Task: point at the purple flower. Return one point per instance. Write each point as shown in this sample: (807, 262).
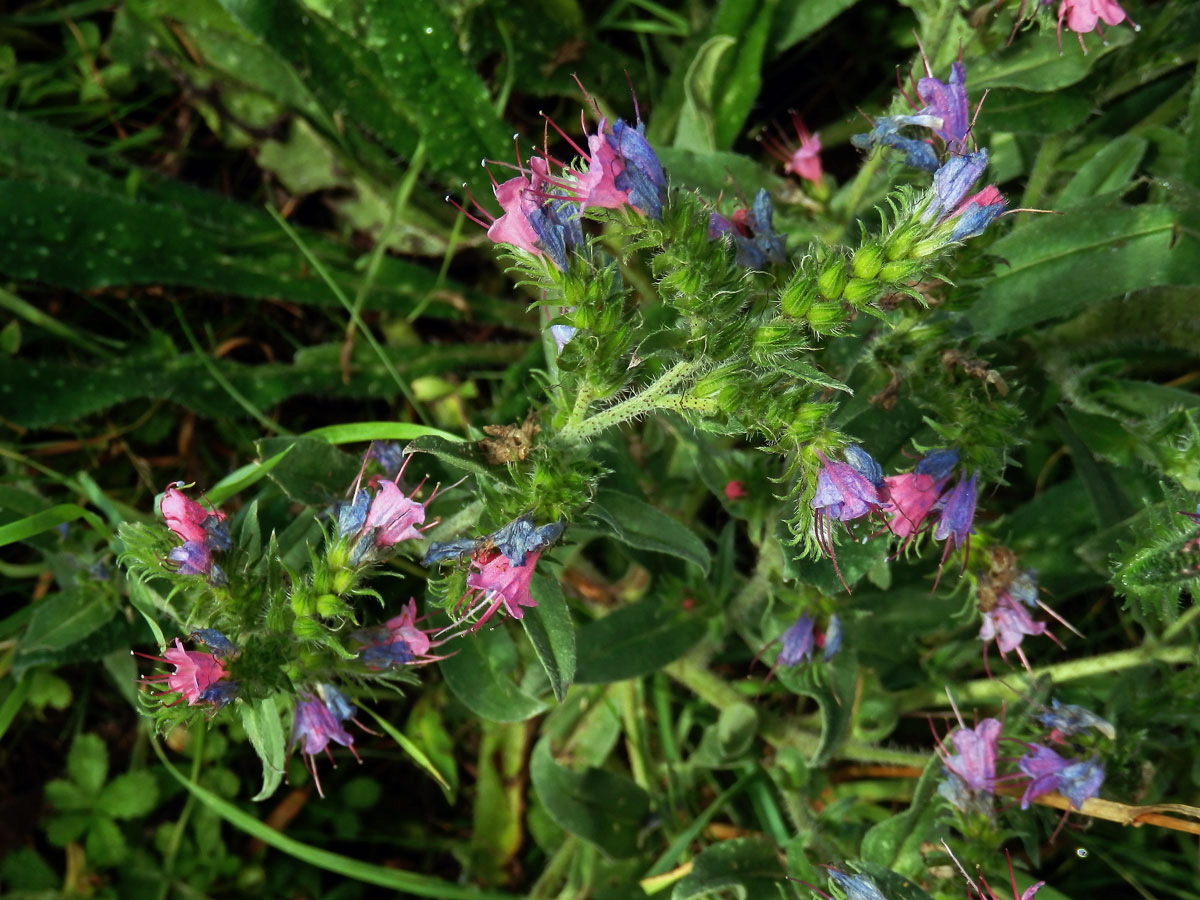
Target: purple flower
(394, 516)
(1008, 623)
(975, 761)
(952, 182)
(886, 131)
(353, 515)
(1043, 766)
(389, 455)
(977, 213)
(864, 464)
(1081, 781)
(958, 513)
(562, 335)
(1067, 720)
(193, 558)
(641, 175)
(398, 642)
(833, 638)
(315, 724)
(856, 887)
(798, 641)
(948, 102)
(752, 232)
(843, 492)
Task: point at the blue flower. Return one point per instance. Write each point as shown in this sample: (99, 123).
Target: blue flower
(856, 887)
(1081, 781)
(219, 645)
(833, 638)
(1067, 720)
(753, 233)
(798, 643)
(886, 131)
(937, 464)
(958, 514)
(642, 175)
(952, 182)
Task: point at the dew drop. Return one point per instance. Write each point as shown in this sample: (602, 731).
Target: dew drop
(1081, 852)
(428, 29)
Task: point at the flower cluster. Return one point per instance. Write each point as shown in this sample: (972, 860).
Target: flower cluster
(971, 777)
(910, 503)
(398, 642)
(203, 532)
(375, 521)
(1006, 595)
(753, 232)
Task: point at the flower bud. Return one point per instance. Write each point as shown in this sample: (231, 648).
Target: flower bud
(825, 318)
(330, 606)
(720, 385)
(900, 241)
(832, 280)
(860, 291)
(798, 294)
(774, 339)
(343, 581)
(867, 260)
(278, 618)
(809, 420)
(303, 602)
(321, 579)
(900, 271)
(307, 629)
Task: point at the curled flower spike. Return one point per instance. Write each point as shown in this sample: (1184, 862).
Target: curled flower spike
(316, 722)
(202, 531)
(802, 159)
(398, 642)
(195, 678)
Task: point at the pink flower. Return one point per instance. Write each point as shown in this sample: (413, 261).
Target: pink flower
(596, 184)
(395, 515)
(1083, 16)
(975, 761)
(734, 490)
(803, 159)
(185, 517)
(499, 582)
(912, 497)
(195, 678)
(317, 722)
(398, 642)
(513, 226)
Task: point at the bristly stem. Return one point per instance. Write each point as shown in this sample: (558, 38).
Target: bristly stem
(654, 397)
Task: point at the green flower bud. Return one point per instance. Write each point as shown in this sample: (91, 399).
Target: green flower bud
(798, 294)
(826, 318)
(338, 554)
(900, 241)
(307, 629)
(832, 280)
(343, 581)
(330, 606)
(321, 579)
(722, 385)
(860, 291)
(278, 618)
(809, 420)
(867, 260)
(900, 271)
(303, 602)
(774, 339)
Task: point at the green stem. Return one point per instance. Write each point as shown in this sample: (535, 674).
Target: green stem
(991, 690)
(175, 841)
(646, 401)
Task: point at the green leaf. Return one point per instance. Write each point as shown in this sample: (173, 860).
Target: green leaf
(105, 845)
(314, 472)
(360, 432)
(456, 453)
(264, 727)
(748, 866)
(63, 513)
(895, 843)
(16, 694)
(549, 628)
(833, 687)
(1099, 249)
(750, 24)
(1037, 65)
(635, 640)
(697, 128)
(796, 21)
(478, 674)
(62, 830)
(711, 171)
(1024, 112)
(58, 622)
(129, 796)
(601, 807)
(427, 729)
(415, 753)
(1109, 170)
(87, 763)
(66, 796)
(638, 524)
(390, 878)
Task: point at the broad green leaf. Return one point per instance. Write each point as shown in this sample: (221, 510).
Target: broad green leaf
(359, 432)
(602, 807)
(426, 727)
(59, 622)
(715, 172)
(697, 126)
(748, 867)
(1037, 65)
(245, 476)
(1109, 170)
(549, 628)
(130, 795)
(314, 472)
(895, 842)
(635, 640)
(750, 23)
(478, 674)
(795, 21)
(264, 727)
(1024, 112)
(496, 816)
(638, 524)
(1055, 266)
(87, 763)
(386, 877)
(833, 687)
